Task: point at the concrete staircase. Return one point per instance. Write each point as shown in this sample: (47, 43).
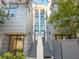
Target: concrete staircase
(47, 51)
(33, 50)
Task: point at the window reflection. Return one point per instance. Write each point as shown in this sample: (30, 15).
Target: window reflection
(36, 20)
(13, 9)
(36, 27)
(16, 43)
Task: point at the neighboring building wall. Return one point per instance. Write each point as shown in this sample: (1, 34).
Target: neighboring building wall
(21, 22)
(4, 41)
(66, 49)
(49, 27)
(50, 31)
(17, 23)
(29, 28)
(70, 49)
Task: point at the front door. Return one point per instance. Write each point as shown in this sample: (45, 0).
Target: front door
(39, 26)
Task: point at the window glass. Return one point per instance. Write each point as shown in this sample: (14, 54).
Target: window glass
(42, 12)
(12, 12)
(42, 33)
(36, 16)
(16, 43)
(42, 16)
(20, 37)
(37, 20)
(36, 33)
(36, 12)
(42, 27)
(42, 20)
(36, 27)
(13, 9)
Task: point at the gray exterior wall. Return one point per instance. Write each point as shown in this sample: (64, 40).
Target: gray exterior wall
(20, 23)
(70, 49)
(4, 41)
(16, 23)
(66, 49)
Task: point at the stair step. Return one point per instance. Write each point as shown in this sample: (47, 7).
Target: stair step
(33, 50)
(47, 50)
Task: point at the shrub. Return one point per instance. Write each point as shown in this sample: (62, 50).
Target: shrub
(1, 57)
(20, 55)
(8, 55)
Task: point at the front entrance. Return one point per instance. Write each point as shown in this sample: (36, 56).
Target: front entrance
(16, 43)
(39, 24)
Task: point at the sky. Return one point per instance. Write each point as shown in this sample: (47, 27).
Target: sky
(45, 2)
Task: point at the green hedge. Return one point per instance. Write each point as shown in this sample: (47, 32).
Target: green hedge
(8, 55)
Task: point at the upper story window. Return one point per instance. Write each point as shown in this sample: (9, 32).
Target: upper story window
(36, 20)
(42, 16)
(36, 27)
(36, 16)
(13, 9)
(42, 12)
(54, 6)
(36, 12)
(42, 27)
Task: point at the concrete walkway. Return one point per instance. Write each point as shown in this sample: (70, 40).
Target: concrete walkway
(40, 50)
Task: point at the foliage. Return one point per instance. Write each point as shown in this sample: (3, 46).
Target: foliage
(9, 55)
(1, 57)
(67, 16)
(3, 14)
(20, 56)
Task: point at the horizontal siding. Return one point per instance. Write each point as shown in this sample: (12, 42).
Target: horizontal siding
(17, 23)
(4, 41)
